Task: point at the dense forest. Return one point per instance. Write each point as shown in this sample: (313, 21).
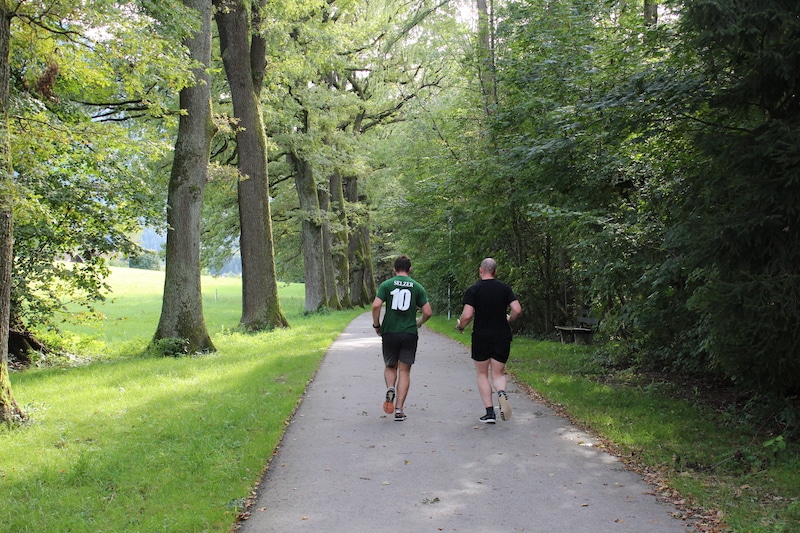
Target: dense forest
(636, 159)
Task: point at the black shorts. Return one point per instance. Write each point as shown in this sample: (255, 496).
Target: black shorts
(399, 347)
(483, 350)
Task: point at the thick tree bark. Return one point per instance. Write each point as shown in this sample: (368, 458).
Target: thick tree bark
(9, 410)
(244, 69)
(182, 303)
(339, 240)
(362, 275)
(311, 235)
(333, 301)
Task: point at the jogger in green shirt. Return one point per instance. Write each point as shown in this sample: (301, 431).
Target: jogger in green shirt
(398, 331)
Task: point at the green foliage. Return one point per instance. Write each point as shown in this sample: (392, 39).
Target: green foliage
(739, 230)
(81, 77)
(648, 173)
(170, 347)
(145, 259)
(339, 75)
(538, 182)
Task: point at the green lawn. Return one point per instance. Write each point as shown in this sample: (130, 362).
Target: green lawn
(130, 315)
(135, 443)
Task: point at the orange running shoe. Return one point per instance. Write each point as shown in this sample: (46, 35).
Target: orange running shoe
(388, 405)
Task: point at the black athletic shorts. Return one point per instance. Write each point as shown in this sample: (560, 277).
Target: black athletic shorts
(483, 350)
(399, 347)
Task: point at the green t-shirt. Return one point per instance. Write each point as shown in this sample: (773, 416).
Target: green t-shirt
(403, 296)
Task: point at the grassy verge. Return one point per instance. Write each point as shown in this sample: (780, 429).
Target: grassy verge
(699, 456)
(131, 443)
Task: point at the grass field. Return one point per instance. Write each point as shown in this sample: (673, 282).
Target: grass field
(130, 315)
(119, 441)
(131, 443)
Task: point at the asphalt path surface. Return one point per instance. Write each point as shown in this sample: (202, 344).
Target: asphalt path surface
(345, 466)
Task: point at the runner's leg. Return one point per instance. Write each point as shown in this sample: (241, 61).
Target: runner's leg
(390, 376)
(403, 384)
(484, 387)
(498, 375)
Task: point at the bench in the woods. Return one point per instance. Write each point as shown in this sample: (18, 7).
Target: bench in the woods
(583, 332)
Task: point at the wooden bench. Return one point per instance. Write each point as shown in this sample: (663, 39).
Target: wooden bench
(582, 333)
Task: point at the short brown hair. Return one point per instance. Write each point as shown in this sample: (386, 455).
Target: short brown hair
(402, 264)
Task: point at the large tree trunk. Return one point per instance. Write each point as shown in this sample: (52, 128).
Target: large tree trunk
(9, 410)
(311, 234)
(362, 275)
(339, 240)
(182, 303)
(333, 301)
(244, 65)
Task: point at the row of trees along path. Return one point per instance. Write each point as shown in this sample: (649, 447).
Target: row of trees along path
(149, 53)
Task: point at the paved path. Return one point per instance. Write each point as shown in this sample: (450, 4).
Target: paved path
(344, 466)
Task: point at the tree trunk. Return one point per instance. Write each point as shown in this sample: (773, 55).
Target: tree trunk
(260, 304)
(333, 301)
(21, 342)
(339, 240)
(362, 275)
(311, 234)
(9, 410)
(485, 53)
(182, 303)
(650, 13)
